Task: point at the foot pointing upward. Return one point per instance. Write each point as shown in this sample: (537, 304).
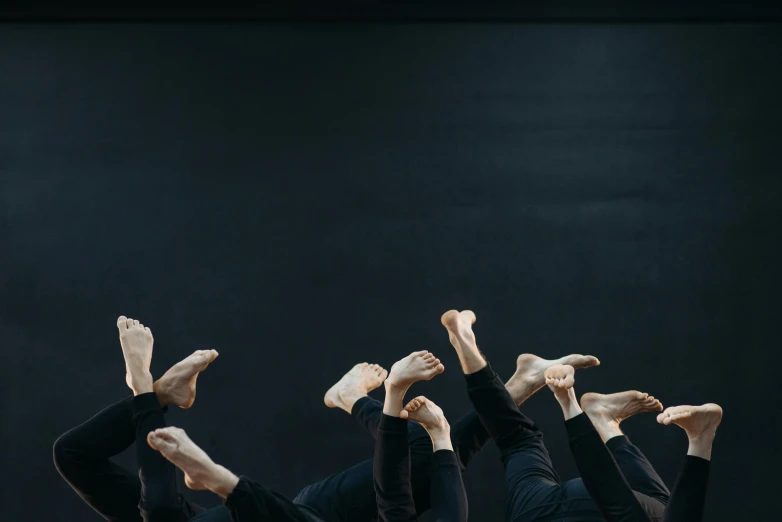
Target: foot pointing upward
(357, 383)
(178, 384)
(136, 341)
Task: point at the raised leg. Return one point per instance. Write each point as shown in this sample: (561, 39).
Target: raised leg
(601, 475)
(689, 493)
(607, 412)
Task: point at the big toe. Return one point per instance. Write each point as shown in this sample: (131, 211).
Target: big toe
(122, 322)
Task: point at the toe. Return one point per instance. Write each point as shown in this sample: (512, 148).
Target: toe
(129, 322)
(122, 322)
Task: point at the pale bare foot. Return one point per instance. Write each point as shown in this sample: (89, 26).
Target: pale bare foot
(431, 417)
(418, 366)
(700, 423)
(530, 372)
(136, 341)
(200, 471)
(462, 338)
(178, 384)
(357, 383)
(607, 411)
(697, 421)
(426, 413)
(616, 407)
(560, 379)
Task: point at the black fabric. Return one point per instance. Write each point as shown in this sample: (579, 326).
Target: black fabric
(349, 496)
(82, 456)
(392, 470)
(534, 490)
(608, 484)
(252, 502)
(689, 492)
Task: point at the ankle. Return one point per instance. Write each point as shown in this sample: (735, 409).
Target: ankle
(349, 398)
(222, 481)
(142, 383)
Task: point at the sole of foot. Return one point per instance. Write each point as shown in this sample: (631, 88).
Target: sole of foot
(616, 407)
(418, 366)
(360, 380)
(174, 444)
(178, 384)
(695, 420)
(530, 372)
(426, 413)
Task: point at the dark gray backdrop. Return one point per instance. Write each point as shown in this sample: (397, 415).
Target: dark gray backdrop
(305, 197)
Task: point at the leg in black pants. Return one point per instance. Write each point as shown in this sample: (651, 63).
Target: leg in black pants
(349, 496)
(392, 478)
(602, 476)
(82, 457)
(246, 500)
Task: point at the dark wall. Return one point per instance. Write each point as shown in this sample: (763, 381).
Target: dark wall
(306, 197)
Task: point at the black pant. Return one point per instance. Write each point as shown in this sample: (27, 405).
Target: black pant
(349, 496)
(82, 456)
(392, 478)
(534, 490)
(609, 487)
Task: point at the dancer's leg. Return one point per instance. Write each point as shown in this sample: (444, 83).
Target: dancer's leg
(82, 457)
(599, 471)
(354, 388)
(448, 498)
(392, 454)
(606, 412)
(247, 500)
(532, 484)
(689, 492)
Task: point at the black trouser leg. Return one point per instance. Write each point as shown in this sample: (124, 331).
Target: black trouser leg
(392, 472)
(637, 469)
(601, 474)
(534, 488)
(449, 500)
(689, 493)
(82, 457)
(252, 502)
(160, 497)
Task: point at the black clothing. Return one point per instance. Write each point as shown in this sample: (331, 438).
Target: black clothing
(82, 456)
(392, 478)
(612, 492)
(534, 490)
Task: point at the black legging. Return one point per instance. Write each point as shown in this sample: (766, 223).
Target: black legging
(607, 485)
(392, 478)
(82, 456)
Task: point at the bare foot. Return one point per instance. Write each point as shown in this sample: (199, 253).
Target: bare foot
(200, 471)
(418, 366)
(136, 342)
(560, 379)
(530, 372)
(426, 413)
(357, 383)
(697, 421)
(616, 407)
(431, 417)
(178, 384)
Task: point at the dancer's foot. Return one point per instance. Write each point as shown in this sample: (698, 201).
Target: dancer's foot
(530, 369)
(431, 417)
(418, 366)
(700, 423)
(459, 326)
(560, 379)
(178, 384)
(136, 342)
(200, 471)
(607, 411)
(357, 383)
